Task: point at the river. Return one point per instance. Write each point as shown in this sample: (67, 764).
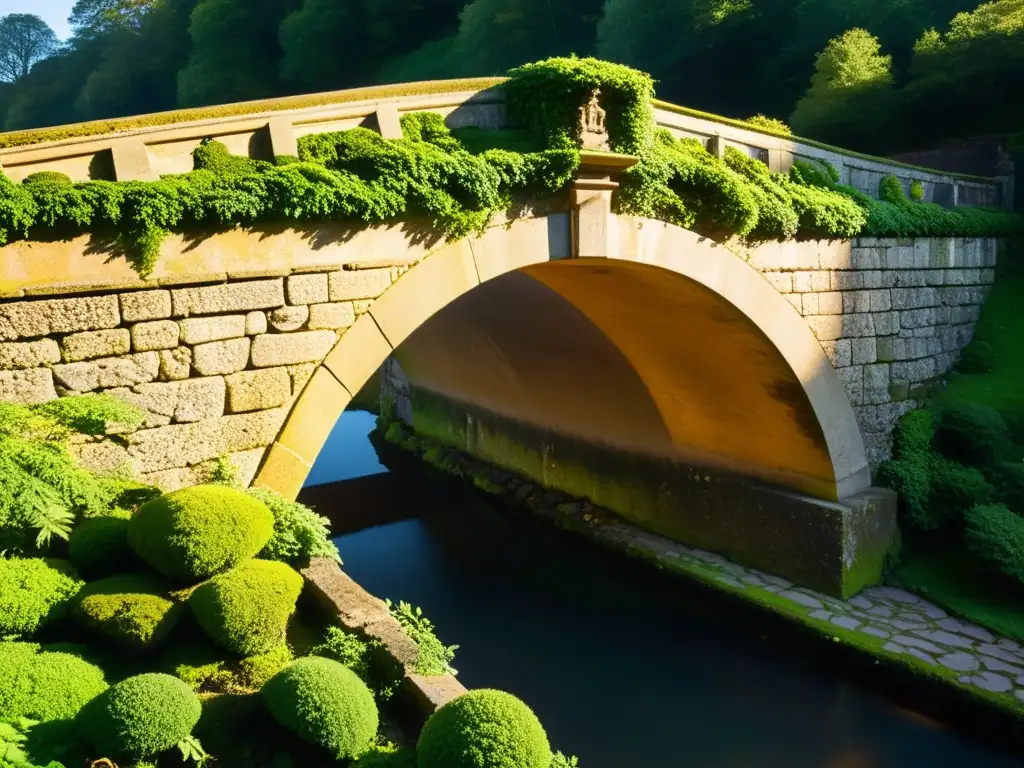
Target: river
(623, 669)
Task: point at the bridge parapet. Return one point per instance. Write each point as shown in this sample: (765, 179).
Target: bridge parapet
(150, 146)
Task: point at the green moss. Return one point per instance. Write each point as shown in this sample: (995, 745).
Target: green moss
(325, 703)
(45, 686)
(132, 610)
(142, 716)
(973, 434)
(300, 534)
(246, 610)
(484, 729)
(34, 592)
(197, 532)
(99, 547)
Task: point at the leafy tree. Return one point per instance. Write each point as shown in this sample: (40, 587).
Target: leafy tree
(24, 40)
(973, 65)
(235, 51)
(93, 18)
(46, 96)
(139, 66)
(850, 92)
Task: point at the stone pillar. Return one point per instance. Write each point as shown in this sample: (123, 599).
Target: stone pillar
(591, 200)
(394, 388)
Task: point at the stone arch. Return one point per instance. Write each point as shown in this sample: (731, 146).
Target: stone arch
(642, 246)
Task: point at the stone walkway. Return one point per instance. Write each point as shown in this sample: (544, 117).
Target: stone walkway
(910, 626)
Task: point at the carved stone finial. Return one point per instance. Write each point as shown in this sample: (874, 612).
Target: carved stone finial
(593, 130)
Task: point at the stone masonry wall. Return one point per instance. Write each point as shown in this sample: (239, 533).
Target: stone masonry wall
(216, 367)
(892, 315)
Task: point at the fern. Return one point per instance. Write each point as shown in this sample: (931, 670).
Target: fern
(435, 658)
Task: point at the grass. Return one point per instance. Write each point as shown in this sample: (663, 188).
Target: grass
(959, 582)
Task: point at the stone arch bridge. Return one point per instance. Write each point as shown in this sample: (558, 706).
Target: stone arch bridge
(735, 400)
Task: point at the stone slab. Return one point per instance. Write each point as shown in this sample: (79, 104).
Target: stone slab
(228, 297)
(89, 345)
(28, 354)
(29, 387)
(107, 373)
(291, 348)
(257, 390)
(221, 357)
(28, 319)
(155, 335)
(145, 305)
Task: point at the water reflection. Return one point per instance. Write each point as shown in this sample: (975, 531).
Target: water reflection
(622, 669)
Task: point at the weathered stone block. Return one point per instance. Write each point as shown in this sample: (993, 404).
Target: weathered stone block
(300, 374)
(880, 301)
(890, 278)
(331, 316)
(145, 305)
(202, 330)
(93, 344)
(781, 281)
(27, 319)
(914, 370)
(899, 390)
(255, 323)
(858, 325)
(291, 348)
(876, 376)
(838, 351)
(886, 323)
(852, 379)
(288, 318)
(307, 289)
(27, 387)
(917, 318)
(863, 350)
(180, 445)
(108, 372)
(104, 457)
(885, 349)
(28, 354)
(219, 357)
(358, 284)
(857, 301)
(362, 306)
(181, 401)
(258, 390)
(914, 298)
(915, 278)
(156, 334)
(175, 364)
(796, 299)
(867, 258)
(809, 303)
(874, 396)
(846, 280)
(826, 327)
(228, 297)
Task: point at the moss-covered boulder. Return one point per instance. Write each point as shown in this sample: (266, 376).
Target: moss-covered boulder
(45, 686)
(194, 533)
(34, 592)
(246, 610)
(325, 703)
(484, 729)
(98, 547)
(141, 716)
(131, 609)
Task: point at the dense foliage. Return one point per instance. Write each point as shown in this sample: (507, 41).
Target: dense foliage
(325, 703)
(435, 658)
(142, 716)
(194, 533)
(905, 62)
(99, 546)
(246, 610)
(45, 685)
(42, 489)
(132, 610)
(34, 592)
(484, 729)
(300, 534)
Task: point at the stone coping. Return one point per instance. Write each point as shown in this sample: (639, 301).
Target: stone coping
(363, 614)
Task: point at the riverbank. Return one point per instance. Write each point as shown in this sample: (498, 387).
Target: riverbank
(947, 669)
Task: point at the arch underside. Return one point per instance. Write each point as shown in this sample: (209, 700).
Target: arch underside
(676, 350)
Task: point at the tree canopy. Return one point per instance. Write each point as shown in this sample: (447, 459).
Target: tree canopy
(875, 75)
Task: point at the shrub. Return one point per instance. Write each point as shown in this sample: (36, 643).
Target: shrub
(996, 535)
(300, 534)
(977, 357)
(324, 703)
(435, 658)
(955, 489)
(196, 532)
(890, 190)
(914, 434)
(131, 609)
(34, 592)
(911, 479)
(770, 124)
(369, 659)
(916, 191)
(142, 716)
(99, 547)
(563, 761)
(253, 672)
(47, 685)
(484, 729)
(973, 434)
(389, 756)
(246, 610)
(1008, 479)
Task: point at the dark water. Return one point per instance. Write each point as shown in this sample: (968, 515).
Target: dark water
(622, 669)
